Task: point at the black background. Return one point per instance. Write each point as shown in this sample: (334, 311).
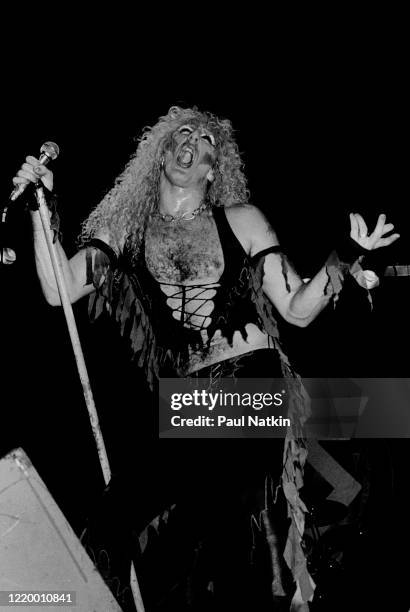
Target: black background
(322, 134)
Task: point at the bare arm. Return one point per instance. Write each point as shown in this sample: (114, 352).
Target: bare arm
(298, 302)
(74, 270)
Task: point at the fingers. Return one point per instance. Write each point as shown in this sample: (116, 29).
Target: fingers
(383, 242)
(388, 227)
(26, 173)
(33, 164)
(32, 171)
(40, 170)
(362, 225)
(354, 226)
(32, 160)
(25, 176)
(378, 230)
(382, 228)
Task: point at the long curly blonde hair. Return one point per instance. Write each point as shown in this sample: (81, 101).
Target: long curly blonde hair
(126, 208)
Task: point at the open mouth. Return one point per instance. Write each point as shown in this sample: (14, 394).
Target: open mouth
(185, 157)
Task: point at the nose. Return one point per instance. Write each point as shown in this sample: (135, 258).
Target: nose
(194, 137)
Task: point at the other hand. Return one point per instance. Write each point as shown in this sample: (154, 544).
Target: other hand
(375, 240)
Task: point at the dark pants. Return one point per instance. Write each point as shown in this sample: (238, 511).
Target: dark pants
(205, 555)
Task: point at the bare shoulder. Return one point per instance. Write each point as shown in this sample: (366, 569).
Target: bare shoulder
(105, 236)
(251, 227)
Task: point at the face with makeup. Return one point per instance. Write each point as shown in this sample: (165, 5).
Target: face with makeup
(189, 156)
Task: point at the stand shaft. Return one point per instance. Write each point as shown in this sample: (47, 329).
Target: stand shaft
(81, 367)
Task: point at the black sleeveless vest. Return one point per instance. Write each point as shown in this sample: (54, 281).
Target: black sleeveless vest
(158, 341)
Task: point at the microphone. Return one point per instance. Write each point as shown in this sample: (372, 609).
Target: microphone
(48, 152)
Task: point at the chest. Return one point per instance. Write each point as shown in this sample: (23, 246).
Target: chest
(184, 252)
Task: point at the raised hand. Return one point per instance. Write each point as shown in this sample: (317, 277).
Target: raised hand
(375, 240)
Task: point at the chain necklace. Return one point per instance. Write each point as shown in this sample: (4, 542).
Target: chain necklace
(187, 216)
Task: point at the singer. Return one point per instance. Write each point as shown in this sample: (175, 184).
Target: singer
(196, 279)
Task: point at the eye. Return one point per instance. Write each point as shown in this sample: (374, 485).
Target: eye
(209, 138)
(186, 130)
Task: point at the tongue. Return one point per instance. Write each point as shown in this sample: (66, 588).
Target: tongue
(187, 157)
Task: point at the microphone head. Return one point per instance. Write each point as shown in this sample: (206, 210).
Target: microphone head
(51, 149)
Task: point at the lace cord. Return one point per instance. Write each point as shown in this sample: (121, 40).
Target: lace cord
(186, 318)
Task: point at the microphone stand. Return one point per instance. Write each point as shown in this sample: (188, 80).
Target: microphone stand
(7, 254)
(81, 366)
